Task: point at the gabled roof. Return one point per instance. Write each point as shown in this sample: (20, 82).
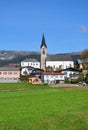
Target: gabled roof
(59, 57)
(70, 69)
(53, 73)
(38, 69)
(43, 42)
(9, 69)
(28, 67)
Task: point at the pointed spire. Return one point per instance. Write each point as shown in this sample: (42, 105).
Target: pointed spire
(43, 42)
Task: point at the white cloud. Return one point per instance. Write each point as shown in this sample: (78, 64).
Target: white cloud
(82, 29)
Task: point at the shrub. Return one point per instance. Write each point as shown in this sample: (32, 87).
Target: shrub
(67, 81)
(86, 79)
(24, 78)
(74, 81)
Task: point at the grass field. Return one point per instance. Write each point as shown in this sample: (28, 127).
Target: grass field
(26, 107)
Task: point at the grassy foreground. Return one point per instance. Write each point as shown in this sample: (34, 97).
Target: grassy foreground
(39, 108)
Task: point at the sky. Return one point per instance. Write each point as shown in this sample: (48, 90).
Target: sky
(63, 22)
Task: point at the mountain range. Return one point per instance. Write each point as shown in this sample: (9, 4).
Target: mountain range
(7, 56)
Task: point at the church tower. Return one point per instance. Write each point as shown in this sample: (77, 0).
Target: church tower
(43, 48)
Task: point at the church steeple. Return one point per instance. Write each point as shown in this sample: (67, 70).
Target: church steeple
(43, 43)
(43, 48)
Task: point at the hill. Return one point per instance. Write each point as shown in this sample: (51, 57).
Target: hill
(7, 57)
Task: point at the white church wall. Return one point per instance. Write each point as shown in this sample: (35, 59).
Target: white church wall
(64, 64)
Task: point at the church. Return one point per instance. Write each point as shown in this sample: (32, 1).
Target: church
(55, 61)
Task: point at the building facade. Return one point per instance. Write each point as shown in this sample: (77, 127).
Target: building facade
(9, 74)
(71, 73)
(52, 77)
(59, 64)
(30, 62)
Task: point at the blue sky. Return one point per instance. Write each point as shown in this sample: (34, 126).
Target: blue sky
(63, 22)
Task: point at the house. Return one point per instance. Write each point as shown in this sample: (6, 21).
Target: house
(30, 62)
(26, 70)
(71, 72)
(9, 74)
(29, 70)
(80, 63)
(52, 77)
(83, 63)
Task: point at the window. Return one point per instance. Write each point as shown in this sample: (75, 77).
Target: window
(28, 64)
(65, 73)
(15, 73)
(1, 78)
(56, 76)
(51, 76)
(53, 66)
(10, 73)
(61, 76)
(22, 63)
(43, 51)
(15, 78)
(47, 76)
(4, 73)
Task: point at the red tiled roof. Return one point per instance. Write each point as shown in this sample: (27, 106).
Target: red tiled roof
(53, 73)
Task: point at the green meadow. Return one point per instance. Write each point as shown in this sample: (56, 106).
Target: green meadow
(40, 107)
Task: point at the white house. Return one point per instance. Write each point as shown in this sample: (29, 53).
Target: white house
(52, 77)
(28, 70)
(30, 62)
(71, 73)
